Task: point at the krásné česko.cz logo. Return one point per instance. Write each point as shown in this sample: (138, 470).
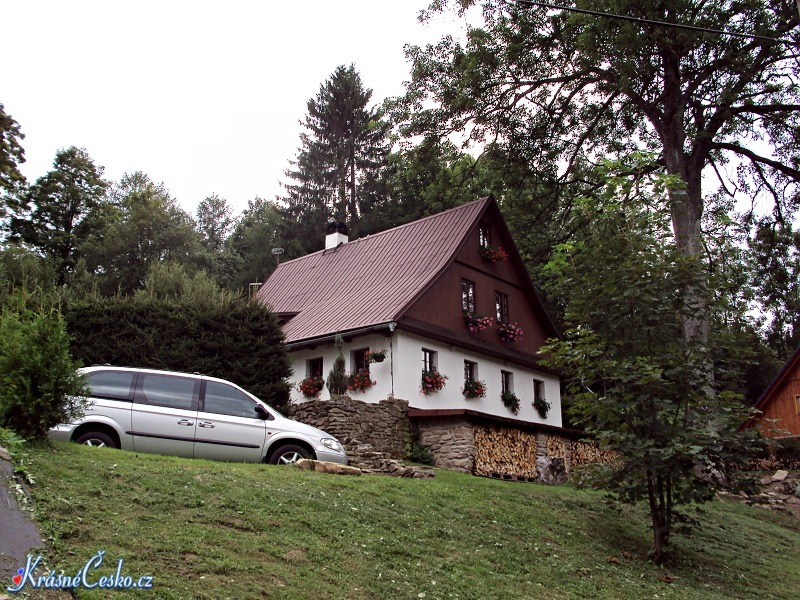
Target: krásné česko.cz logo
(87, 577)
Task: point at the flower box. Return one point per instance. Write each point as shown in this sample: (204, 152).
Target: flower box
(311, 386)
(475, 322)
(376, 356)
(360, 381)
(493, 254)
(432, 382)
(509, 332)
(474, 389)
(510, 401)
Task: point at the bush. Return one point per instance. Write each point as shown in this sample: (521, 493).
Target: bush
(337, 377)
(39, 386)
(219, 335)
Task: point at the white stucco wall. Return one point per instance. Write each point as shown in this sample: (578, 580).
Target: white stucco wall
(400, 374)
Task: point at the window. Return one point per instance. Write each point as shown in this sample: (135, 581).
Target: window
(501, 307)
(506, 382)
(485, 235)
(222, 399)
(470, 370)
(428, 360)
(797, 404)
(314, 367)
(169, 391)
(112, 385)
(538, 390)
(359, 360)
(467, 296)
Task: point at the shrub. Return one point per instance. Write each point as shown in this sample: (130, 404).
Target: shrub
(220, 336)
(337, 377)
(39, 385)
(419, 454)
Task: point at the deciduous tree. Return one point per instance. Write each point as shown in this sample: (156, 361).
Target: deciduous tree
(635, 382)
(561, 89)
(61, 209)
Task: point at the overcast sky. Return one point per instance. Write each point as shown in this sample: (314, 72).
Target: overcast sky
(204, 96)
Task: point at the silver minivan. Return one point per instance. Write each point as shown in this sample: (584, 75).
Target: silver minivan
(181, 414)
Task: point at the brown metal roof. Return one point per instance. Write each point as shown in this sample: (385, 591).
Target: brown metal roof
(368, 281)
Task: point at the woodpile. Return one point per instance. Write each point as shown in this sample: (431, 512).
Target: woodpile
(585, 453)
(557, 447)
(505, 452)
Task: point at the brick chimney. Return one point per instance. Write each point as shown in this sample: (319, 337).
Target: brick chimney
(335, 234)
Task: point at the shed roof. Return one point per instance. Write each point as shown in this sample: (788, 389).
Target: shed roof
(369, 281)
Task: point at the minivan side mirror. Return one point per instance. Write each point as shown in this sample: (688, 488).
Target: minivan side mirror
(263, 413)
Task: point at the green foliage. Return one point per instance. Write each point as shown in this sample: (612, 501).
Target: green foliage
(260, 229)
(39, 386)
(337, 377)
(344, 147)
(640, 386)
(61, 209)
(143, 225)
(542, 406)
(11, 156)
(510, 401)
(213, 333)
(419, 454)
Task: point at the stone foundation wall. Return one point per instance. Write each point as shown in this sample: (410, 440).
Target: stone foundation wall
(451, 442)
(384, 425)
(464, 443)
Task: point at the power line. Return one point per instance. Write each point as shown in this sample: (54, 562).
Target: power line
(597, 13)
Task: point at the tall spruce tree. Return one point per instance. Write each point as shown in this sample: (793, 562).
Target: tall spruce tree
(343, 147)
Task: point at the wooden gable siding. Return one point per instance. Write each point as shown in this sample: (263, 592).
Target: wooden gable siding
(441, 304)
(782, 406)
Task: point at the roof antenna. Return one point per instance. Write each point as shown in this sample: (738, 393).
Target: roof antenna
(276, 252)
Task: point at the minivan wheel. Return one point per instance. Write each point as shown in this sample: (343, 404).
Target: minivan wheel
(289, 454)
(96, 438)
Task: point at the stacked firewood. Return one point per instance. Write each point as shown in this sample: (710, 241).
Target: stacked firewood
(585, 453)
(504, 451)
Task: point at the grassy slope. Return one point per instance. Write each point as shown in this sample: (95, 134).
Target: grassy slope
(215, 530)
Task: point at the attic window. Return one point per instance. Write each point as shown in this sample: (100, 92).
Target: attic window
(485, 235)
(467, 296)
(501, 307)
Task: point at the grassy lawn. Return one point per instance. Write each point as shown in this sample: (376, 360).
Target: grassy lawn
(217, 530)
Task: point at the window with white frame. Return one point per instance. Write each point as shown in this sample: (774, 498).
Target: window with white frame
(470, 371)
(314, 367)
(538, 390)
(429, 360)
(506, 382)
(359, 360)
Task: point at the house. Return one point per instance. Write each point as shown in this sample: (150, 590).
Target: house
(780, 403)
(446, 294)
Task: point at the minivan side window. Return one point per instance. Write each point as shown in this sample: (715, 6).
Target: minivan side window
(111, 385)
(169, 391)
(224, 399)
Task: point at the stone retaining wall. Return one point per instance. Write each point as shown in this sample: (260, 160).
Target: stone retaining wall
(384, 425)
(464, 443)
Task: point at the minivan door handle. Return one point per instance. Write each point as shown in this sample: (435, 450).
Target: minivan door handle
(187, 422)
(208, 424)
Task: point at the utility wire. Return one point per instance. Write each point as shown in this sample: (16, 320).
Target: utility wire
(597, 13)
